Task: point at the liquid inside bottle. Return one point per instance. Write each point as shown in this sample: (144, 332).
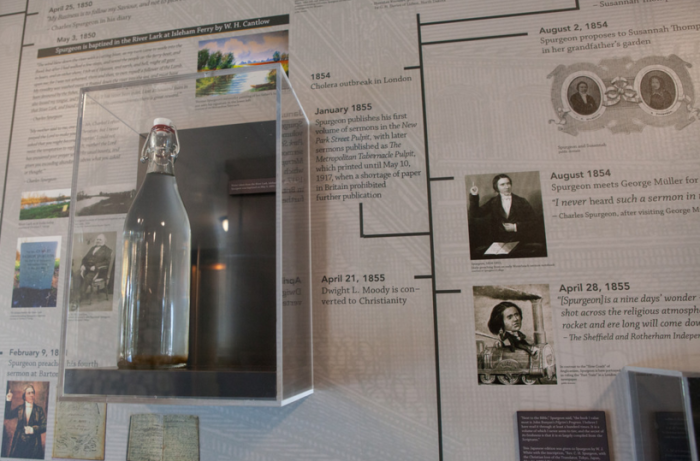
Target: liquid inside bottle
(155, 289)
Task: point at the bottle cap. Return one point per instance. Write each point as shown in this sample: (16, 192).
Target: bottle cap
(163, 121)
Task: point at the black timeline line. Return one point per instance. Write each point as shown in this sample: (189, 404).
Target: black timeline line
(374, 236)
(14, 14)
(14, 110)
(443, 178)
(429, 180)
(438, 387)
(502, 16)
(411, 67)
(439, 292)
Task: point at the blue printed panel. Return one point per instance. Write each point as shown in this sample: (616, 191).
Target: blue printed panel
(36, 264)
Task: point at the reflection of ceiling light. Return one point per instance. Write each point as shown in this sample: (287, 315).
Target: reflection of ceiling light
(224, 224)
(209, 267)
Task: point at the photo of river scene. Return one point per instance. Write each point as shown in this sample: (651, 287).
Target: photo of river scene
(104, 199)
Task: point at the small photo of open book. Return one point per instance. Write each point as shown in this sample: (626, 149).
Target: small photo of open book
(163, 438)
(500, 248)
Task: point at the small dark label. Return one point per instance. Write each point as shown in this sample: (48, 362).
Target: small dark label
(251, 186)
(557, 435)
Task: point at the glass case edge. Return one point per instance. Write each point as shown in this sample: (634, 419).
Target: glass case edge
(296, 397)
(689, 420)
(69, 246)
(294, 93)
(633, 414)
(279, 321)
(195, 401)
(310, 252)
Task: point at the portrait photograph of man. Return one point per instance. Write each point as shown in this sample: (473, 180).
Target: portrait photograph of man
(24, 434)
(503, 223)
(584, 96)
(92, 273)
(514, 339)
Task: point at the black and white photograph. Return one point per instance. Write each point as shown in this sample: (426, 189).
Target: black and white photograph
(622, 95)
(104, 199)
(92, 271)
(514, 341)
(505, 216)
(658, 90)
(584, 95)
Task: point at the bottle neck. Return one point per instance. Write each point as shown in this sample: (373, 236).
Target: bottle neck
(160, 167)
(160, 150)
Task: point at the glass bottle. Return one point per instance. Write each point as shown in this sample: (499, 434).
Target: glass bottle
(155, 310)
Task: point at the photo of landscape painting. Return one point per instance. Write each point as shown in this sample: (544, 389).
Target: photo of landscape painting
(241, 51)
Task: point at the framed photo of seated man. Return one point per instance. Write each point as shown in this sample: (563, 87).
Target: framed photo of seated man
(92, 271)
(505, 216)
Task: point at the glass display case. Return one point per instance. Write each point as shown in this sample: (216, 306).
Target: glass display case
(665, 413)
(243, 176)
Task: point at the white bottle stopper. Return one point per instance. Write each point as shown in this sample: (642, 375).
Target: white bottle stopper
(163, 121)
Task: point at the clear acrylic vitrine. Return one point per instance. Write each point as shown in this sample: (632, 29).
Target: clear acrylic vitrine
(243, 175)
(664, 410)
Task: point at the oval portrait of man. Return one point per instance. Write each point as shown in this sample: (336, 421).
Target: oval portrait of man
(584, 95)
(658, 90)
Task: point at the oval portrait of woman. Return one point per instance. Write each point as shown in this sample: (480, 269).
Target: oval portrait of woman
(658, 90)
